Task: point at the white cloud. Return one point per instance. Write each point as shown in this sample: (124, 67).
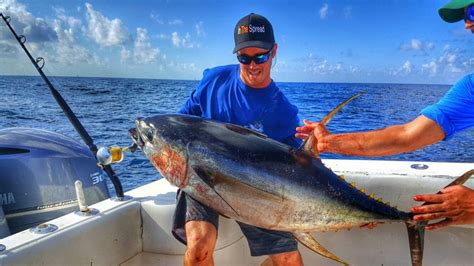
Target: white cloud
(200, 32)
(469, 64)
(450, 63)
(319, 66)
(155, 17)
(323, 11)
(405, 69)
(182, 41)
(67, 50)
(414, 44)
(279, 66)
(430, 68)
(429, 45)
(143, 52)
(417, 45)
(104, 31)
(73, 24)
(175, 39)
(34, 28)
(183, 67)
(448, 58)
(176, 22)
(56, 42)
(7, 48)
(124, 54)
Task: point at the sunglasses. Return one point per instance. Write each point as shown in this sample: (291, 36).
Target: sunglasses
(258, 59)
(469, 14)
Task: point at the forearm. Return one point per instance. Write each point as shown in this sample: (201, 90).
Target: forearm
(387, 141)
(381, 142)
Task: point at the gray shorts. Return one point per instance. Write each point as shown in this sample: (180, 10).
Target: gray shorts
(261, 241)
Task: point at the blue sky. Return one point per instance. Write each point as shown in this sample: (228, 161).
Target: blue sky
(392, 41)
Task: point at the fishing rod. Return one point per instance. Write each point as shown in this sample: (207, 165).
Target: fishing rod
(67, 110)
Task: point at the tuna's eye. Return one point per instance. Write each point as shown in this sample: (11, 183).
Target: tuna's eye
(149, 134)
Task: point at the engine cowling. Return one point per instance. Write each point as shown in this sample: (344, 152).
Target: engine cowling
(38, 169)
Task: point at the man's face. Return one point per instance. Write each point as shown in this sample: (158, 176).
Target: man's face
(469, 24)
(256, 75)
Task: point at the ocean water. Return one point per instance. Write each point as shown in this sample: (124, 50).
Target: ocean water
(107, 108)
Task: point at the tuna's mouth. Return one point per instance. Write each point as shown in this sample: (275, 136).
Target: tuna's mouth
(137, 141)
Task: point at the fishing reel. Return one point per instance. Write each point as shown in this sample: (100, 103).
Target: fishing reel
(109, 155)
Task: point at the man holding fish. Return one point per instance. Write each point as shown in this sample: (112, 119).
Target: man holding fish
(242, 94)
(453, 113)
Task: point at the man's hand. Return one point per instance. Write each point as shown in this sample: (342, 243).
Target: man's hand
(316, 128)
(455, 204)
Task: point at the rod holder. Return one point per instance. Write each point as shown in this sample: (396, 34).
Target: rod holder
(45, 228)
(84, 210)
(81, 199)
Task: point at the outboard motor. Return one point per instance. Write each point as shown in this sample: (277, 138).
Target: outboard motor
(4, 230)
(38, 169)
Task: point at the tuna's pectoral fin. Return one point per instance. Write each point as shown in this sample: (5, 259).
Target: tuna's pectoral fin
(201, 173)
(208, 180)
(308, 241)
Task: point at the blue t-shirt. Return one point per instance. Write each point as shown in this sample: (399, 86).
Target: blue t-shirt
(455, 111)
(221, 95)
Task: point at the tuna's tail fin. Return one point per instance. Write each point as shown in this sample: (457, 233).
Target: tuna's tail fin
(416, 236)
(416, 230)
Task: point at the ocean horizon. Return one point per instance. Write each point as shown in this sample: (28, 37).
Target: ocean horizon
(276, 80)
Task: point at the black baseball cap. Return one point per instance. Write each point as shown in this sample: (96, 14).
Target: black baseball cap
(253, 31)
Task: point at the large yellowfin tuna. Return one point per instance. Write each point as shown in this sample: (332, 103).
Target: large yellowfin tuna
(248, 177)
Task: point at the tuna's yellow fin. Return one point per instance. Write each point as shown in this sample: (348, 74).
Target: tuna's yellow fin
(308, 241)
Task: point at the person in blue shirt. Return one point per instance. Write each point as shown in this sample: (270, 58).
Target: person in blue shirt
(453, 113)
(242, 94)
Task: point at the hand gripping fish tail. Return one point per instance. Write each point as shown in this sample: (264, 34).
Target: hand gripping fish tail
(416, 230)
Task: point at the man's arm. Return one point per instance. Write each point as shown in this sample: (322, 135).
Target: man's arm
(191, 107)
(408, 137)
